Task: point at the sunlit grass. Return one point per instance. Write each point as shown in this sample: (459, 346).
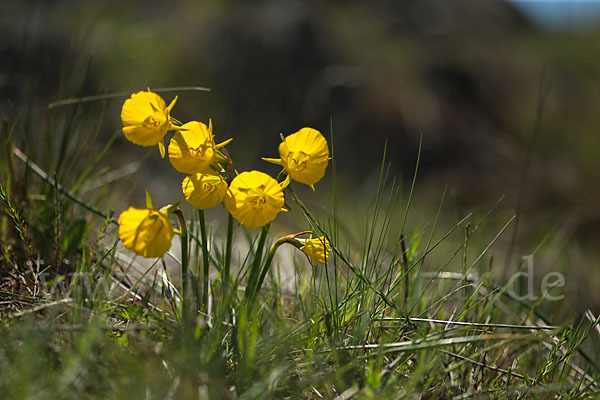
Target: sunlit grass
(403, 307)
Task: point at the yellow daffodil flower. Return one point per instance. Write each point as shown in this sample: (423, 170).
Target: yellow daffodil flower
(146, 119)
(145, 231)
(204, 190)
(317, 249)
(254, 199)
(304, 155)
(192, 149)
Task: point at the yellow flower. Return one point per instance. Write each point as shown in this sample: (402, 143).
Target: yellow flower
(204, 190)
(192, 148)
(317, 249)
(304, 155)
(254, 199)
(145, 118)
(145, 231)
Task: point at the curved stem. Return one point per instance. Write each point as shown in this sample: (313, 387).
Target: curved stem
(291, 239)
(282, 175)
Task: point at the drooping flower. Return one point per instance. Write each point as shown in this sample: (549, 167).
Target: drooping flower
(146, 119)
(317, 249)
(304, 155)
(254, 199)
(192, 149)
(145, 231)
(204, 190)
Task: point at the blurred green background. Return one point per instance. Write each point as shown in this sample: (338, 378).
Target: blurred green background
(462, 75)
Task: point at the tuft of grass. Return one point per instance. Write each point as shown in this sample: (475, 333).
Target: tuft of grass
(403, 308)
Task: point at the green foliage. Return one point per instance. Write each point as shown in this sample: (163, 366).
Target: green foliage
(403, 308)
(73, 238)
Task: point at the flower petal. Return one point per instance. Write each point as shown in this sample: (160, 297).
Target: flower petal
(192, 149)
(305, 155)
(145, 118)
(254, 199)
(204, 190)
(145, 231)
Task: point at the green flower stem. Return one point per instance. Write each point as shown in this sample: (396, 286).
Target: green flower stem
(225, 276)
(282, 175)
(184, 263)
(290, 239)
(337, 251)
(254, 270)
(204, 259)
(265, 269)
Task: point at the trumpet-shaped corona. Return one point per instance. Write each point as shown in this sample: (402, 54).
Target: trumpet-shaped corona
(317, 249)
(254, 199)
(204, 190)
(146, 119)
(304, 155)
(192, 149)
(145, 231)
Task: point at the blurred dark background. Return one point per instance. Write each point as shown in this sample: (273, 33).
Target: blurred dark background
(464, 76)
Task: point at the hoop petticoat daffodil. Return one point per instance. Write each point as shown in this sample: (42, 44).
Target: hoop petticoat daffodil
(146, 231)
(146, 119)
(316, 249)
(254, 199)
(304, 155)
(192, 149)
(204, 190)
